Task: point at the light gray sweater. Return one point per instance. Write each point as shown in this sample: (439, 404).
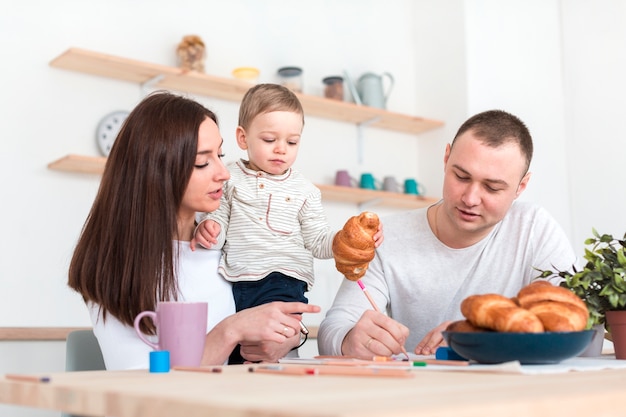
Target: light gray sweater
(420, 282)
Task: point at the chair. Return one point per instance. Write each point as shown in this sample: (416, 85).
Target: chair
(82, 353)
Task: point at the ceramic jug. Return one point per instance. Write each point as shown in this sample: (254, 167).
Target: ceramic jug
(372, 91)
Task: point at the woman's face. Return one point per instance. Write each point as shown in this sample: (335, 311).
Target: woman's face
(204, 190)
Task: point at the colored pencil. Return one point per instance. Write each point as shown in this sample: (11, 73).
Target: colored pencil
(27, 378)
(198, 369)
(390, 362)
(445, 362)
(331, 370)
(367, 294)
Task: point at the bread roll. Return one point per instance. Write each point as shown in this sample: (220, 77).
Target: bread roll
(560, 317)
(539, 306)
(353, 245)
(545, 291)
(464, 326)
(559, 309)
(499, 313)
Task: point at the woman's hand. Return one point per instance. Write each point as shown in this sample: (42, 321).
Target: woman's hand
(276, 322)
(268, 351)
(374, 335)
(433, 339)
(266, 332)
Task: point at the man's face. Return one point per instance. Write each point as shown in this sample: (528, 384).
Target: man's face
(480, 184)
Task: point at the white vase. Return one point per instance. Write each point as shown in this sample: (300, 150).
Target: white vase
(595, 346)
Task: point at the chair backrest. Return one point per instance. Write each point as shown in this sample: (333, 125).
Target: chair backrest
(82, 352)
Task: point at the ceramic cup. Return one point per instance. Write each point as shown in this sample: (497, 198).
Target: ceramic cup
(368, 181)
(411, 186)
(343, 178)
(180, 328)
(391, 184)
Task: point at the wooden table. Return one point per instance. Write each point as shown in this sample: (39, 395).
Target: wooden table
(237, 392)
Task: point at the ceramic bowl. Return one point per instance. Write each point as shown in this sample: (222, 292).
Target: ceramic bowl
(527, 348)
(249, 74)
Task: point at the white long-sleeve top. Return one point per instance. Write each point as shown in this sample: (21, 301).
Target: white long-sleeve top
(270, 223)
(198, 280)
(420, 282)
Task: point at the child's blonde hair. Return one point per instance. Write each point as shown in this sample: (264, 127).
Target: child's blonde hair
(265, 98)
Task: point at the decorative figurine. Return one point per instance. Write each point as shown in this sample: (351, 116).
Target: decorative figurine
(190, 53)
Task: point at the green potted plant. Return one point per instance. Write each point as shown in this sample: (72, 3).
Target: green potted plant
(601, 284)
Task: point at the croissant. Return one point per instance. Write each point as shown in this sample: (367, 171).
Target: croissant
(539, 306)
(559, 309)
(545, 291)
(464, 326)
(353, 246)
(499, 313)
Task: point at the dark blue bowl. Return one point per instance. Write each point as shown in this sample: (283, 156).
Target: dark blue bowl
(527, 348)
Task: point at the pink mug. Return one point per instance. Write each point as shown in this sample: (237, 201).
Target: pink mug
(343, 178)
(181, 329)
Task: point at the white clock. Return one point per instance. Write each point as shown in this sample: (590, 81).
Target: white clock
(108, 128)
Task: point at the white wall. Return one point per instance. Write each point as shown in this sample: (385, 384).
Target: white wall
(51, 112)
(559, 65)
(514, 63)
(54, 112)
(594, 56)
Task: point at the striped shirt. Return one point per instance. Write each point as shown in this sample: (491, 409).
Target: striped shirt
(270, 223)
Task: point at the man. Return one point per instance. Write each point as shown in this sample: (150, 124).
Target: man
(476, 240)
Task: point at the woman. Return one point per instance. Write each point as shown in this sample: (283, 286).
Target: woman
(134, 249)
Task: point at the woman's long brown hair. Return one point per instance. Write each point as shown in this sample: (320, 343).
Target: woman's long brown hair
(125, 257)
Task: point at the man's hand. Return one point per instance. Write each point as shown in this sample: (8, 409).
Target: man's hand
(374, 335)
(433, 339)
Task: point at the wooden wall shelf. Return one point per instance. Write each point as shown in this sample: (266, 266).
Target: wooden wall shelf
(37, 333)
(164, 77)
(366, 198)
(95, 165)
(79, 163)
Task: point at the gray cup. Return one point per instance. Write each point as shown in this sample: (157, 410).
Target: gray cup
(391, 184)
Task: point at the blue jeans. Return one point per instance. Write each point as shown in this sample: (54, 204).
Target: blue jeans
(274, 287)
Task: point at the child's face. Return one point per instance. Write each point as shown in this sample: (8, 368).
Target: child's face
(272, 141)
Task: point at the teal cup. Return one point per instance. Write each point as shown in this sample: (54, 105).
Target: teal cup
(413, 187)
(368, 181)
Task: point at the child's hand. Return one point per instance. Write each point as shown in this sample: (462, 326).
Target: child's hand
(378, 236)
(206, 234)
